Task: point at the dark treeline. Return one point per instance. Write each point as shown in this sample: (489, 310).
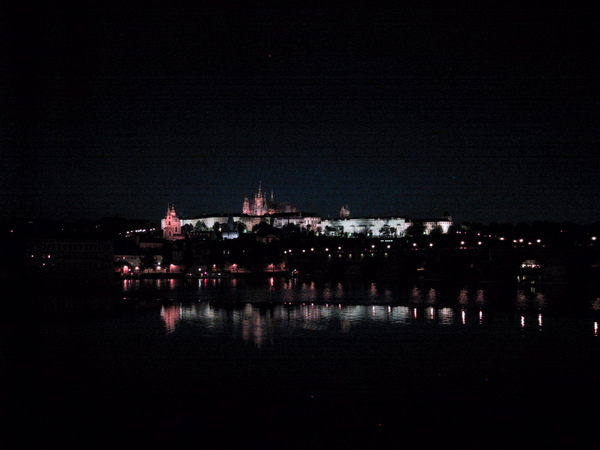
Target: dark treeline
(107, 227)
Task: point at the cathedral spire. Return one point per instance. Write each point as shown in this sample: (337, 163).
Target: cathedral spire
(345, 211)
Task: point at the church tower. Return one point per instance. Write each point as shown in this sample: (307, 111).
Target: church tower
(246, 208)
(260, 202)
(345, 212)
(171, 225)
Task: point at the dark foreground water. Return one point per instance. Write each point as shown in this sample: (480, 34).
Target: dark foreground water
(286, 364)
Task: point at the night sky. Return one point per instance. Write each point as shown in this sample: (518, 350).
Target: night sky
(491, 114)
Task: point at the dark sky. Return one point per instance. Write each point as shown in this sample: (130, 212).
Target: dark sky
(490, 114)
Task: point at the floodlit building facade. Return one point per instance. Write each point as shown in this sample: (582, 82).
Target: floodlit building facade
(259, 209)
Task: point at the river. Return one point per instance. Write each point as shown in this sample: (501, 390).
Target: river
(279, 363)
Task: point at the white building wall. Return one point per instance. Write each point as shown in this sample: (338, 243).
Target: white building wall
(302, 221)
(249, 221)
(443, 224)
(367, 225)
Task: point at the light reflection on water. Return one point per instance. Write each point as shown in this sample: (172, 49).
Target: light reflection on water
(258, 323)
(386, 343)
(278, 290)
(265, 311)
(293, 290)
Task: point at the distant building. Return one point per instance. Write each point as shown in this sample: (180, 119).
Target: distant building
(442, 224)
(230, 230)
(136, 262)
(304, 220)
(279, 214)
(208, 222)
(171, 225)
(367, 226)
(70, 258)
(259, 205)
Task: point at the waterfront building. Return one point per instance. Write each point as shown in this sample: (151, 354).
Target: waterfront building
(137, 262)
(70, 258)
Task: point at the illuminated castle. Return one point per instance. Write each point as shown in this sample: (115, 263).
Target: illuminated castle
(259, 205)
(279, 214)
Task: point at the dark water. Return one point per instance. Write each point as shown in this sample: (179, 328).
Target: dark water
(286, 364)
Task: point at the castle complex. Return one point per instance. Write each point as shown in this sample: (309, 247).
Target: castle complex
(259, 209)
